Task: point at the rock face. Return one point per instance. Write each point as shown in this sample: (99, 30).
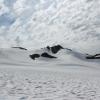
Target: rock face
(20, 48)
(48, 51)
(48, 48)
(47, 55)
(55, 49)
(97, 56)
(33, 56)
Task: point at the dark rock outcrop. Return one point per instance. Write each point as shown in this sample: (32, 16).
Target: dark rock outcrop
(33, 56)
(20, 48)
(55, 49)
(47, 55)
(48, 48)
(97, 56)
(68, 49)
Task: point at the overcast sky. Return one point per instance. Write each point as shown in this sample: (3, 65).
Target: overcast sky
(42, 22)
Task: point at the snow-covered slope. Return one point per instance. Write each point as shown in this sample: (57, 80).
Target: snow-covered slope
(69, 77)
(38, 23)
(64, 57)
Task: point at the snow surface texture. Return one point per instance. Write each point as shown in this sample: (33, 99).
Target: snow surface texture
(38, 23)
(69, 77)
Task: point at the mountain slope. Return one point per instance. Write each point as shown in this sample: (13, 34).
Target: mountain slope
(64, 57)
(70, 76)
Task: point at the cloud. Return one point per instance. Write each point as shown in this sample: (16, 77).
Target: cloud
(3, 8)
(39, 23)
(6, 19)
(9, 3)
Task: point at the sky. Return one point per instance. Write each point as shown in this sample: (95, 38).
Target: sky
(38, 23)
